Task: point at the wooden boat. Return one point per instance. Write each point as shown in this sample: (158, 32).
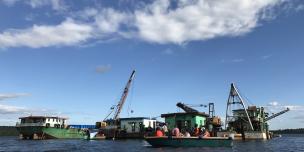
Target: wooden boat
(166, 141)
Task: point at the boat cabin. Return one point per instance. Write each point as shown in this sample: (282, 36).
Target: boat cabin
(185, 120)
(45, 121)
(137, 124)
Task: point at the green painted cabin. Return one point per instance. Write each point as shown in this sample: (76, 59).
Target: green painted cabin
(185, 121)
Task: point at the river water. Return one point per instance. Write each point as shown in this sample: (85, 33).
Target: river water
(284, 143)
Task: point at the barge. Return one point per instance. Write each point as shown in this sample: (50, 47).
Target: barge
(44, 127)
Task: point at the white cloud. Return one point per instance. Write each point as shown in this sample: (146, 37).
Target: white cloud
(295, 107)
(238, 60)
(6, 109)
(67, 33)
(199, 19)
(103, 68)
(168, 51)
(56, 4)
(9, 2)
(110, 20)
(274, 103)
(12, 95)
(265, 57)
(300, 7)
(157, 22)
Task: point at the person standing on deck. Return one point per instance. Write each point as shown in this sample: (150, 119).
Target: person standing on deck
(206, 133)
(196, 131)
(175, 132)
(165, 129)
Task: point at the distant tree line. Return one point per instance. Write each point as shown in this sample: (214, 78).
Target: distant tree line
(289, 131)
(8, 131)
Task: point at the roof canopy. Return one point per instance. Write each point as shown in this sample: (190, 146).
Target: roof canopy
(185, 113)
(36, 117)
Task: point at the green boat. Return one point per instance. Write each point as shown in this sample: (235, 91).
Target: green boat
(189, 141)
(43, 127)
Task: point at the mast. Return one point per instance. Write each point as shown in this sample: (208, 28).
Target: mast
(123, 97)
(234, 94)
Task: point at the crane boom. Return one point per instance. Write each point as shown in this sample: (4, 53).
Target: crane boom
(123, 97)
(277, 114)
(185, 107)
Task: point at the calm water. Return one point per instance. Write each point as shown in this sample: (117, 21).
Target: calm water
(285, 143)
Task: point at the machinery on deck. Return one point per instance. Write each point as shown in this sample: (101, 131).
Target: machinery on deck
(247, 122)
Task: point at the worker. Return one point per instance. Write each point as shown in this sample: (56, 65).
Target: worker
(206, 133)
(165, 129)
(196, 130)
(175, 132)
(187, 134)
(159, 133)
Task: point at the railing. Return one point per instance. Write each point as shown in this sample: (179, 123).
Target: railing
(18, 124)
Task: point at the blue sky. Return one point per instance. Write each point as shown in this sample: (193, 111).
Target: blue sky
(59, 57)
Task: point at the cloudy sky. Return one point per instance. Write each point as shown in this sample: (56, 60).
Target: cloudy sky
(68, 58)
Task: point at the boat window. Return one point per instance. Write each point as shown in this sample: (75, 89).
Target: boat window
(53, 120)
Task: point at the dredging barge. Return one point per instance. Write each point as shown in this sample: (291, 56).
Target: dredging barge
(245, 123)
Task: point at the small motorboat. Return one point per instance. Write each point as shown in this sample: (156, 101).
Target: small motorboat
(169, 141)
(94, 134)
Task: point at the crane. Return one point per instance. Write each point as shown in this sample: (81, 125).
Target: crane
(277, 114)
(117, 108)
(186, 108)
(123, 97)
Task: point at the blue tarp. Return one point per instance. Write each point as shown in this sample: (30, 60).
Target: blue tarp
(83, 126)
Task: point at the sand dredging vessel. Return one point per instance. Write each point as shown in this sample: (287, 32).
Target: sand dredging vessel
(241, 123)
(246, 122)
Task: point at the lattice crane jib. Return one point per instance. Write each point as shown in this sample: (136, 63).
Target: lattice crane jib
(233, 99)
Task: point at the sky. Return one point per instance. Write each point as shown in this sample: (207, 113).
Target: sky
(73, 59)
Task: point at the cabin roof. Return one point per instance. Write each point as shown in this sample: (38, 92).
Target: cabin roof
(185, 113)
(53, 117)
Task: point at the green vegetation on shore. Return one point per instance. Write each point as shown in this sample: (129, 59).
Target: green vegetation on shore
(289, 131)
(8, 131)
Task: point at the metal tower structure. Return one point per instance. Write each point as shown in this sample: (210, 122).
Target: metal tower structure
(235, 99)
